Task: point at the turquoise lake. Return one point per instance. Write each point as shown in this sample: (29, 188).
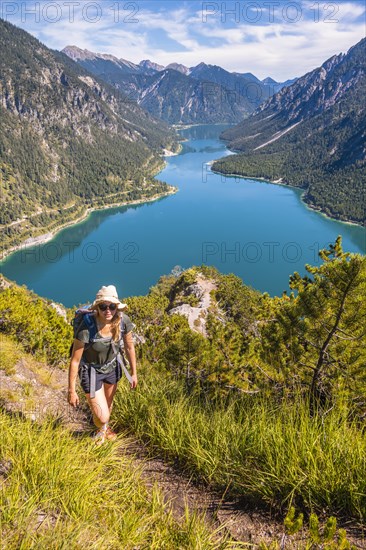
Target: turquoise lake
(259, 231)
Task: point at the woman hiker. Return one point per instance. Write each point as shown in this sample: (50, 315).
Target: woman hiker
(97, 359)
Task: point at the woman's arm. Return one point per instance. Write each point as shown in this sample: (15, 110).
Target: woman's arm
(131, 356)
(77, 352)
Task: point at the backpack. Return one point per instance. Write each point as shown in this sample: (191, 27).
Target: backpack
(86, 315)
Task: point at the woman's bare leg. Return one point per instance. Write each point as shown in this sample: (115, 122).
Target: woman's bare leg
(99, 407)
(109, 391)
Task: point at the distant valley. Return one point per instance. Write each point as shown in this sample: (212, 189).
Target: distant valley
(178, 94)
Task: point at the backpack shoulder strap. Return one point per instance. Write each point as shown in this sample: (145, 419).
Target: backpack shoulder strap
(123, 325)
(118, 345)
(91, 325)
(84, 316)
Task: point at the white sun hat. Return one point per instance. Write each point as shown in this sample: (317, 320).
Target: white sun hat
(108, 294)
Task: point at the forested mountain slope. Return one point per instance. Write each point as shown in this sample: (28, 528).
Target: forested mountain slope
(180, 99)
(66, 139)
(312, 134)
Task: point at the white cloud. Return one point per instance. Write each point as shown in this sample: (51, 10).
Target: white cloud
(280, 49)
(271, 49)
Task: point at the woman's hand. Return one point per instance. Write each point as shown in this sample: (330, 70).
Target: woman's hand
(134, 381)
(73, 398)
(131, 356)
(77, 352)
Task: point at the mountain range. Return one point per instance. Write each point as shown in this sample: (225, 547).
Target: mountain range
(178, 94)
(311, 134)
(67, 139)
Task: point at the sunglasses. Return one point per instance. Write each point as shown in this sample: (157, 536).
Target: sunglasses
(104, 307)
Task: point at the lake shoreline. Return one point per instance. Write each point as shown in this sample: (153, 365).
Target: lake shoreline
(43, 239)
(280, 181)
(256, 238)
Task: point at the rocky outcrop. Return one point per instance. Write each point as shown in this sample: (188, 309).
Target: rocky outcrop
(61, 311)
(196, 315)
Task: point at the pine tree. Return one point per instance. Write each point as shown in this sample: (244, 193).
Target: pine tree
(325, 322)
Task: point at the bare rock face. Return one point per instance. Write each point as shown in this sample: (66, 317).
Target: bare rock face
(196, 315)
(172, 93)
(4, 284)
(59, 310)
(193, 315)
(195, 290)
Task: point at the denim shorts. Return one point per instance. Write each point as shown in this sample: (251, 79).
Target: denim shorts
(109, 378)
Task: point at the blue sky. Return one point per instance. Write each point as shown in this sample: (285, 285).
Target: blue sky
(268, 38)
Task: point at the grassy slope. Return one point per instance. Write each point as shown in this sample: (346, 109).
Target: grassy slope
(267, 452)
(71, 494)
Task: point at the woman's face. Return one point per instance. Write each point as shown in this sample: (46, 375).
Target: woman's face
(107, 310)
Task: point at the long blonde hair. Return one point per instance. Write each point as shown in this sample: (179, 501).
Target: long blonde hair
(116, 326)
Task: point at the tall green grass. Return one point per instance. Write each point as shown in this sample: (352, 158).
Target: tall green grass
(271, 453)
(60, 492)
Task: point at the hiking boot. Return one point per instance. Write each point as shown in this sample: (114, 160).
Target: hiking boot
(99, 437)
(110, 435)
